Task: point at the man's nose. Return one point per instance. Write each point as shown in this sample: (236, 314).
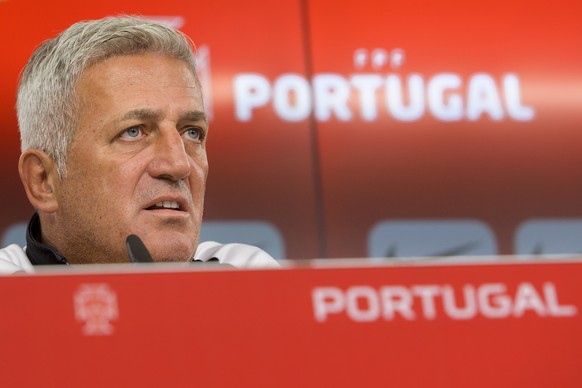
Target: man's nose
(170, 159)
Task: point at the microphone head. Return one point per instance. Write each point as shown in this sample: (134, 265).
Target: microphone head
(138, 253)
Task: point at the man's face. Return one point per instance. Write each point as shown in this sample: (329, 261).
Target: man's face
(137, 163)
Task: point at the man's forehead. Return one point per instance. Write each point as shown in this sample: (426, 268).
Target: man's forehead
(123, 68)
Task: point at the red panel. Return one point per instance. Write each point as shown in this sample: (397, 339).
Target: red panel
(261, 329)
(259, 170)
(501, 172)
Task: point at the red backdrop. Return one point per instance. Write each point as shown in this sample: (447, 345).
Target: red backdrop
(352, 156)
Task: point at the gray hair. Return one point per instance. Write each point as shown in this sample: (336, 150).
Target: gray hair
(47, 103)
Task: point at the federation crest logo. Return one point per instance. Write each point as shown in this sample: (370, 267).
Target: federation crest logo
(96, 306)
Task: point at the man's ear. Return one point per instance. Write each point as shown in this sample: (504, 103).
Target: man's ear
(39, 176)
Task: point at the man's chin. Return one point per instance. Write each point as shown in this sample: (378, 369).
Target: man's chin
(172, 251)
(169, 245)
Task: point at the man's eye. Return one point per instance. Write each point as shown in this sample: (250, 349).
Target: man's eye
(194, 134)
(132, 133)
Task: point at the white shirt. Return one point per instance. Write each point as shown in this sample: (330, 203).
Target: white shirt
(13, 258)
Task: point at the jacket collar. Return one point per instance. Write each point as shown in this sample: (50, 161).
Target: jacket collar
(37, 252)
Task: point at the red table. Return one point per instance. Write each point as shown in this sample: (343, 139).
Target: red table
(340, 324)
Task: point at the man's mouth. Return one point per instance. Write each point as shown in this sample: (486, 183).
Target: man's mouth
(173, 205)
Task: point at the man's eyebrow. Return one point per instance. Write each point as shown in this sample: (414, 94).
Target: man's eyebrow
(194, 116)
(148, 114)
(141, 114)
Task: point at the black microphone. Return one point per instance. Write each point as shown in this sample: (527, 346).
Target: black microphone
(138, 253)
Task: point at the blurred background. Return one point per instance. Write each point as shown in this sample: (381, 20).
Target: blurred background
(363, 128)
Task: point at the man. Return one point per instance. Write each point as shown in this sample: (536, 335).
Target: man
(113, 135)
